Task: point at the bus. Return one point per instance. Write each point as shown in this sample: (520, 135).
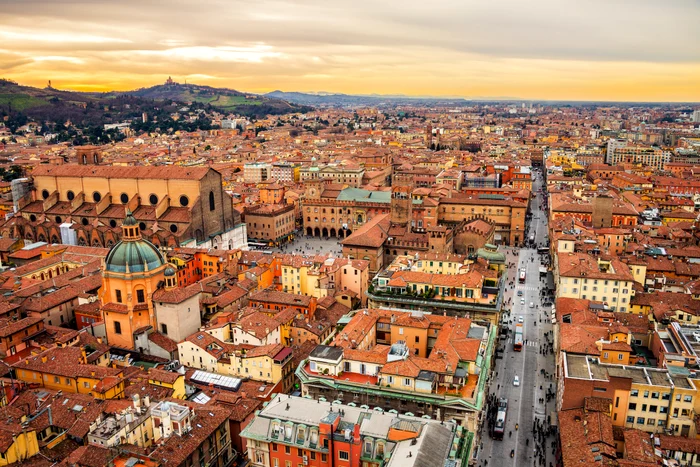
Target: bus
(518, 339)
(543, 250)
(521, 276)
(499, 427)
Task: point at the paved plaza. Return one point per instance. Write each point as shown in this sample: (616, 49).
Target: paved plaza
(311, 246)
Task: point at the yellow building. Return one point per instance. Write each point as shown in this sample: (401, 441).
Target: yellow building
(168, 379)
(66, 369)
(19, 443)
(270, 363)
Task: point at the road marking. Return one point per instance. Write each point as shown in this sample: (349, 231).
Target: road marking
(529, 344)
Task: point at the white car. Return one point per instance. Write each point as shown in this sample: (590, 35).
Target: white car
(516, 381)
(532, 304)
(522, 301)
(520, 319)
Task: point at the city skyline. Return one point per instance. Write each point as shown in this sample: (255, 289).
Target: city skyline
(608, 51)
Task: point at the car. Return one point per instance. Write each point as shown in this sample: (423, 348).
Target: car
(522, 301)
(520, 293)
(516, 381)
(520, 319)
(547, 304)
(532, 304)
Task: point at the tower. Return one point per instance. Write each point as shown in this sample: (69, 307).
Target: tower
(602, 211)
(401, 201)
(313, 189)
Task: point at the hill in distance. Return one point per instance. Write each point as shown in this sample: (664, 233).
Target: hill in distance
(53, 105)
(226, 100)
(85, 108)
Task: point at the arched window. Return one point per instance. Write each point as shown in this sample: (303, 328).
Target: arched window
(84, 159)
(212, 205)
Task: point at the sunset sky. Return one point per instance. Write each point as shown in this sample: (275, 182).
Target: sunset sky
(538, 49)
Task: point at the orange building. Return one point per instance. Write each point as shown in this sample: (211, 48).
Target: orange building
(132, 271)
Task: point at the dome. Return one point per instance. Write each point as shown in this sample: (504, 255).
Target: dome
(138, 255)
(130, 220)
(169, 272)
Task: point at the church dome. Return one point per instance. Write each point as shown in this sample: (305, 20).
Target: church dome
(138, 255)
(133, 253)
(169, 272)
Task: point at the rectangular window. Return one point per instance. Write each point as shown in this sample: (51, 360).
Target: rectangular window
(117, 327)
(634, 392)
(406, 382)
(687, 398)
(164, 328)
(119, 295)
(640, 420)
(140, 296)
(633, 406)
(654, 395)
(630, 419)
(343, 455)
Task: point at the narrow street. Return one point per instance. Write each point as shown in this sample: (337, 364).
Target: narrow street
(528, 403)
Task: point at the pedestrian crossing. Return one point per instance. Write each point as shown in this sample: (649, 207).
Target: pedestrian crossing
(528, 288)
(529, 343)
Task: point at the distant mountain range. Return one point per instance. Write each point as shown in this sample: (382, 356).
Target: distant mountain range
(334, 99)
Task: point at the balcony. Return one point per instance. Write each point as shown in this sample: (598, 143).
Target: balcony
(356, 378)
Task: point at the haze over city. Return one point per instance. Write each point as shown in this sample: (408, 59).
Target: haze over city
(559, 50)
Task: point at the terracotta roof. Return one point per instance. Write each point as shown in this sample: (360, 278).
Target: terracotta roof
(162, 341)
(138, 172)
(177, 294)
